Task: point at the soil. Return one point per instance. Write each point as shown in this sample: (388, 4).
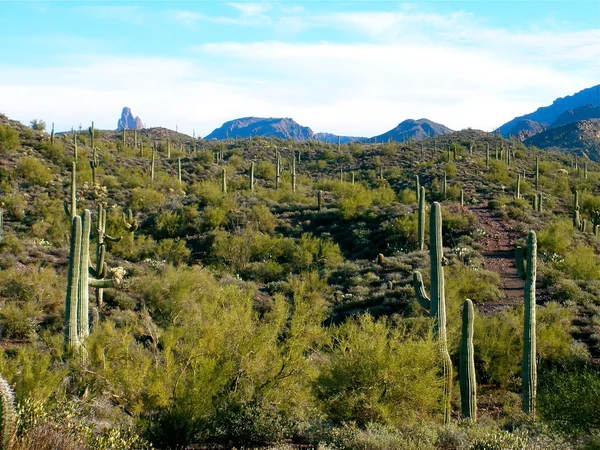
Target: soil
(499, 256)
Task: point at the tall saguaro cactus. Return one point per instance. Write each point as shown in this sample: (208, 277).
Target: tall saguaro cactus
(537, 173)
(72, 210)
(468, 383)
(132, 224)
(224, 180)
(576, 219)
(294, 174)
(436, 303)
(529, 366)
(71, 301)
(52, 135)
(94, 161)
(417, 187)
(252, 176)
(421, 219)
(518, 195)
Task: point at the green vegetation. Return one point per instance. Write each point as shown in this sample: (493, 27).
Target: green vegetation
(274, 294)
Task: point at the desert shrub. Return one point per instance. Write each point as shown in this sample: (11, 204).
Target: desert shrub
(146, 199)
(264, 170)
(455, 225)
(384, 195)
(55, 153)
(556, 237)
(9, 138)
(14, 203)
(312, 253)
(466, 282)
(173, 251)
(569, 400)
(401, 232)
(498, 172)
(54, 225)
(581, 263)
(34, 171)
(450, 169)
(375, 373)
(498, 343)
(208, 192)
(353, 199)
(408, 197)
(262, 218)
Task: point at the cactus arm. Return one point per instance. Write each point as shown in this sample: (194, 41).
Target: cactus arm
(420, 291)
(103, 283)
(112, 239)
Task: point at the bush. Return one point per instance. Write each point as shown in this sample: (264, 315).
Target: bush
(556, 237)
(569, 400)
(581, 263)
(34, 171)
(9, 138)
(146, 199)
(173, 251)
(375, 373)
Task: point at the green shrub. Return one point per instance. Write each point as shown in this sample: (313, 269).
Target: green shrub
(581, 263)
(375, 373)
(556, 237)
(173, 251)
(9, 138)
(569, 400)
(34, 171)
(208, 192)
(146, 199)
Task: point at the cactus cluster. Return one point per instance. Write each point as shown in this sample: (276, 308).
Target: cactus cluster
(78, 283)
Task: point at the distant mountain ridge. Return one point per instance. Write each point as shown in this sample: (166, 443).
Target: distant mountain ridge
(287, 128)
(545, 116)
(586, 112)
(245, 127)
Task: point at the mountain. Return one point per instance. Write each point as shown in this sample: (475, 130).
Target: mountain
(525, 128)
(586, 112)
(330, 138)
(414, 129)
(549, 114)
(128, 122)
(284, 128)
(580, 138)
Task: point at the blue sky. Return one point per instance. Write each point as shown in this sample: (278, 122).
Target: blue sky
(345, 67)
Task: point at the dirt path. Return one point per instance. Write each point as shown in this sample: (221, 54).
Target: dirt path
(499, 257)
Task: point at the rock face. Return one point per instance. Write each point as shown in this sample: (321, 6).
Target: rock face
(284, 128)
(414, 130)
(525, 128)
(547, 115)
(128, 122)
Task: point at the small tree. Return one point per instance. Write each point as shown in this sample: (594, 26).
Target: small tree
(38, 125)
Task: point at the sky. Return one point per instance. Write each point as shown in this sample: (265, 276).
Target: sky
(345, 67)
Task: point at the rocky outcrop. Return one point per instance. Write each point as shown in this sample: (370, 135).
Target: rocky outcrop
(128, 122)
(414, 130)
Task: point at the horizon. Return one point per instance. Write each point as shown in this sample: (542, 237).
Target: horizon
(336, 67)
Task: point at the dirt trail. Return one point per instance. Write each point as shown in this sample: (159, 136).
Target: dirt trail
(499, 257)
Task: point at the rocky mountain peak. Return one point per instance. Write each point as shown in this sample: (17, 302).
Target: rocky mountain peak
(128, 122)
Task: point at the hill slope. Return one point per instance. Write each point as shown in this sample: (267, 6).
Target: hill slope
(548, 114)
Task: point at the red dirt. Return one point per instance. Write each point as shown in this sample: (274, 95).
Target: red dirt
(499, 257)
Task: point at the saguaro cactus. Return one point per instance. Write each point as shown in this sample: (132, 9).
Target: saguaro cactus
(462, 198)
(252, 176)
(487, 156)
(537, 173)
(152, 162)
(436, 303)
(8, 420)
(294, 174)
(529, 367)
(70, 328)
(94, 162)
(519, 261)
(132, 224)
(576, 219)
(539, 203)
(52, 135)
(468, 383)
(421, 219)
(518, 195)
(179, 170)
(445, 188)
(277, 171)
(417, 187)
(224, 180)
(72, 210)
